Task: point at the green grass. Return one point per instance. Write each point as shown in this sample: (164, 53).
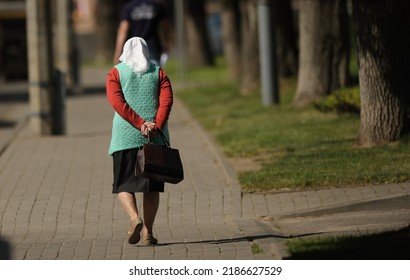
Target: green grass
(295, 148)
(256, 249)
(391, 245)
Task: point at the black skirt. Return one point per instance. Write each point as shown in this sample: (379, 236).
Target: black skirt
(124, 175)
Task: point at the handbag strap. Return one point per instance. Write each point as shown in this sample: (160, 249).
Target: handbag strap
(163, 138)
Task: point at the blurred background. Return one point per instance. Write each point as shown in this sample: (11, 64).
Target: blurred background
(202, 31)
(260, 43)
(94, 25)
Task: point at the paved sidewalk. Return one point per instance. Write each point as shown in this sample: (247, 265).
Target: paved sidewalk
(56, 201)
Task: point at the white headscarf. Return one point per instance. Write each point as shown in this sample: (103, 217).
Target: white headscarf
(136, 55)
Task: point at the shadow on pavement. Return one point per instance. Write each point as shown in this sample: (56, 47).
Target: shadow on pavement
(93, 90)
(8, 97)
(4, 250)
(7, 124)
(391, 245)
(221, 241)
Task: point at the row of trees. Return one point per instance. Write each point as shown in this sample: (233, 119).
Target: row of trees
(313, 43)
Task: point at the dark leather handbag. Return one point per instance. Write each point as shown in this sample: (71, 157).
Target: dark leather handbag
(159, 162)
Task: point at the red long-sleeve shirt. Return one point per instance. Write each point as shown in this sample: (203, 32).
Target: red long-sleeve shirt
(117, 101)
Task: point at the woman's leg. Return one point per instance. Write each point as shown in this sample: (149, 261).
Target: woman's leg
(150, 204)
(129, 204)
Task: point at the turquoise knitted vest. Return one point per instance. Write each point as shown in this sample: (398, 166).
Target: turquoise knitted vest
(141, 94)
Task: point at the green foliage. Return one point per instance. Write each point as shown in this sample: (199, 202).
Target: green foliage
(346, 100)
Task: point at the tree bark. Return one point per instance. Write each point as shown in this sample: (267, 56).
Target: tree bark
(383, 44)
(287, 50)
(250, 77)
(107, 19)
(231, 36)
(199, 49)
(324, 52)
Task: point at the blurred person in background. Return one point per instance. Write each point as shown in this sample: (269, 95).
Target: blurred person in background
(146, 19)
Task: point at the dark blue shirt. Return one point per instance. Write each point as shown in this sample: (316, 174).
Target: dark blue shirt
(144, 17)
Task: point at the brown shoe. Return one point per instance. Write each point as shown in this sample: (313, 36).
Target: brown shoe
(134, 231)
(150, 240)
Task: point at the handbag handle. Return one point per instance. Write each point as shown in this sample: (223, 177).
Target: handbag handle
(163, 138)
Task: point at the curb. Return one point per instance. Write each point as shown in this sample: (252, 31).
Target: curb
(387, 203)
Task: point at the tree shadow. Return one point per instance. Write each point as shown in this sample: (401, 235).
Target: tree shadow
(391, 245)
(7, 124)
(14, 97)
(92, 90)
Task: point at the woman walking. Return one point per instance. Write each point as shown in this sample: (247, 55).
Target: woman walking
(141, 94)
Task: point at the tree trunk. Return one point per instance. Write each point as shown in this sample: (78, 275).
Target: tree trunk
(231, 36)
(287, 50)
(383, 45)
(324, 52)
(250, 77)
(199, 49)
(107, 19)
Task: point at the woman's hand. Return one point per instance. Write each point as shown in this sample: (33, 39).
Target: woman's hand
(148, 127)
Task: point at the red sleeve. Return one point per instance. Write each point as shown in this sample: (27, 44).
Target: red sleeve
(165, 99)
(117, 101)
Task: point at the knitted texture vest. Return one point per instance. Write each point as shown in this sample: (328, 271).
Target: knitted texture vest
(141, 94)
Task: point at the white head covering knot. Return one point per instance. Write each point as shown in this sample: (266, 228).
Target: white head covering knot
(135, 54)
